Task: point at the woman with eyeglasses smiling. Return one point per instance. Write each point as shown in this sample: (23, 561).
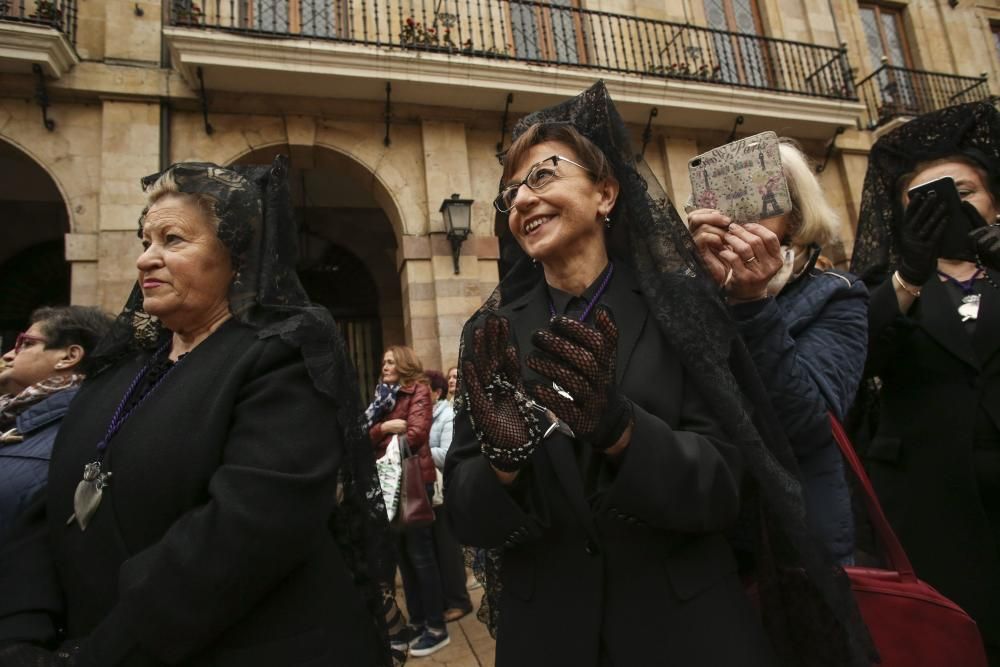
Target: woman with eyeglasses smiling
(42, 373)
(600, 437)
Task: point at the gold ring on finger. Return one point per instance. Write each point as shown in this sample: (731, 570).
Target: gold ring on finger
(750, 261)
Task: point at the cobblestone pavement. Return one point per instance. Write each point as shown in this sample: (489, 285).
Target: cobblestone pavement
(471, 644)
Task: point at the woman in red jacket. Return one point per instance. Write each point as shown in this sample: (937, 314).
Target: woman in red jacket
(402, 406)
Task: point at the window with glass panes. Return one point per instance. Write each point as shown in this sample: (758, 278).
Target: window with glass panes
(740, 57)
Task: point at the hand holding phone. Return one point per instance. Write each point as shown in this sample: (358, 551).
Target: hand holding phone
(955, 242)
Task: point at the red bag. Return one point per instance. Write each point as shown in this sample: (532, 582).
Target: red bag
(415, 510)
(911, 624)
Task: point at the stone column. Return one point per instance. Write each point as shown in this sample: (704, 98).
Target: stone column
(677, 150)
(130, 37)
(129, 151)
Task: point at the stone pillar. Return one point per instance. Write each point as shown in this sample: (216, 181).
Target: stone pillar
(417, 289)
(441, 306)
(129, 36)
(81, 253)
(852, 162)
(129, 151)
(677, 151)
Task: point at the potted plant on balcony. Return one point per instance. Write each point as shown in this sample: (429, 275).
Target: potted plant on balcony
(47, 10)
(187, 13)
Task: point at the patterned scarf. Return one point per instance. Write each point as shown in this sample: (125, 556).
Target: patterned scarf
(11, 405)
(385, 401)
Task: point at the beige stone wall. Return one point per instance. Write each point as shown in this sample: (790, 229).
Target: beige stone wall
(107, 112)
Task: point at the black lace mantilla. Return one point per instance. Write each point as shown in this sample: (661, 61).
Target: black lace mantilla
(811, 618)
(256, 225)
(973, 129)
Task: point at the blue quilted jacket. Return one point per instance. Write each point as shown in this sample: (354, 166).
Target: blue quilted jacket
(809, 345)
(24, 466)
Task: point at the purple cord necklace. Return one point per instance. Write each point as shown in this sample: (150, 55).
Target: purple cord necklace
(593, 301)
(91, 488)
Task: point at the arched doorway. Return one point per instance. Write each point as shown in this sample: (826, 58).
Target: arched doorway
(33, 267)
(347, 250)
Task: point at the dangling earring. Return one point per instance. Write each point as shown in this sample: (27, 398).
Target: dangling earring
(607, 222)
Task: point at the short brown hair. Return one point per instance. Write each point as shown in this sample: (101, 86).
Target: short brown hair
(408, 365)
(589, 155)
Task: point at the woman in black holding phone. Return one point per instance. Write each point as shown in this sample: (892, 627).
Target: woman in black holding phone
(934, 346)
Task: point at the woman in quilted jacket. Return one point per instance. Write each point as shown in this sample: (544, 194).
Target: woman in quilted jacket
(805, 326)
(402, 406)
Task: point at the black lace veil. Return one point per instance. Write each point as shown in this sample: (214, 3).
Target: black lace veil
(970, 129)
(256, 224)
(806, 603)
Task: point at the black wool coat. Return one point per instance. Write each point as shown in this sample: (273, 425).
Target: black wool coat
(211, 545)
(639, 573)
(940, 392)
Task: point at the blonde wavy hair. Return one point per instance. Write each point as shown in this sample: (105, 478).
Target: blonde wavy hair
(813, 219)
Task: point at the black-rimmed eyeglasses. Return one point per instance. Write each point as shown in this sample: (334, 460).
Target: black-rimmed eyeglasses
(540, 175)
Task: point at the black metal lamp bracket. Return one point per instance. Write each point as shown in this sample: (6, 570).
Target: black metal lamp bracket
(732, 133)
(456, 249)
(829, 150)
(503, 127)
(42, 97)
(204, 102)
(388, 113)
(647, 134)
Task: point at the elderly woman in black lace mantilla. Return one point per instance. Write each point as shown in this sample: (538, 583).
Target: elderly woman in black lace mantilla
(606, 517)
(210, 489)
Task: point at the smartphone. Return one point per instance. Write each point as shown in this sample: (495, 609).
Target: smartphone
(945, 190)
(955, 243)
(743, 179)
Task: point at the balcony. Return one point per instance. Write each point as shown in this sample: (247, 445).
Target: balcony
(542, 51)
(38, 32)
(893, 92)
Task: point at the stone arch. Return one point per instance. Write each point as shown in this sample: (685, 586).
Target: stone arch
(35, 219)
(346, 237)
(70, 156)
(396, 172)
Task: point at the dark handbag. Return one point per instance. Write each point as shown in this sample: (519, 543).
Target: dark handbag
(415, 510)
(911, 624)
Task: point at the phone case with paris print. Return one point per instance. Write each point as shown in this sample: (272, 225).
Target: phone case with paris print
(743, 179)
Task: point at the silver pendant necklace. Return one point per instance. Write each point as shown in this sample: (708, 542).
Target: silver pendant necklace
(90, 489)
(968, 309)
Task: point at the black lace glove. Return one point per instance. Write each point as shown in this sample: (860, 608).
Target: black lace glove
(924, 223)
(503, 417)
(581, 362)
(29, 655)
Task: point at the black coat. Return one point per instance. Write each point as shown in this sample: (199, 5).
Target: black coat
(211, 546)
(639, 572)
(941, 390)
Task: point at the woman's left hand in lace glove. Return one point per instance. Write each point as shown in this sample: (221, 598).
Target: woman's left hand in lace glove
(580, 362)
(504, 419)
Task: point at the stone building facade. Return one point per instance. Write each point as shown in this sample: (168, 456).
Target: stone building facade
(387, 108)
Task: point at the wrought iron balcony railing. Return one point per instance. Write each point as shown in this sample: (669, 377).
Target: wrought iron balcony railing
(890, 92)
(548, 33)
(59, 14)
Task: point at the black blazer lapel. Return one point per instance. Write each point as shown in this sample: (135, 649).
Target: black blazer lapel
(527, 315)
(942, 323)
(986, 339)
(624, 300)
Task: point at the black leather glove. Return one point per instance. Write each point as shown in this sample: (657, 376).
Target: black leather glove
(924, 223)
(581, 361)
(987, 242)
(29, 655)
(504, 418)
